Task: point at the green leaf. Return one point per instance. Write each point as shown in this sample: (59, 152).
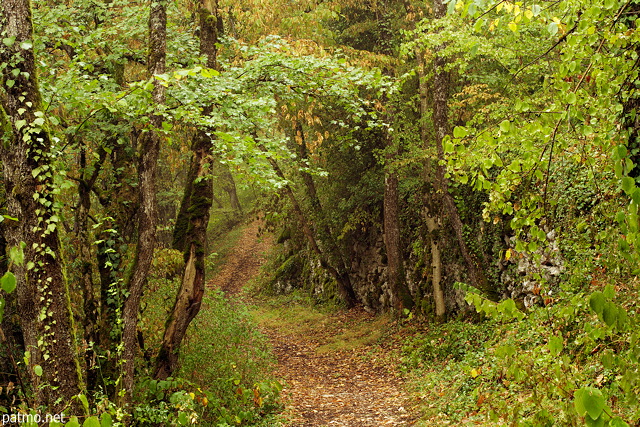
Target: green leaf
(37, 370)
(552, 28)
(628, 184)
(555, 345)
(609, 291)
(73, 422)
(609, 313)
(91, 422)
(589, 401)
(26, 45)
(536, 9)
(8, 282)
(505, 126)
(596, 302)
(9, 41)
(617, 422)
(571, 98)
(182, 419)
(106, 420)
(84, 401)
(460, 132)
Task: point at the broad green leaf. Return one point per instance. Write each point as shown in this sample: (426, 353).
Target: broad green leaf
(460, 132)
(505, 126)
(596, 302)
(8, 282)
(37, 370)
(91, 422)
(555, 345)
(609, 313)
(73, 422)
(609, 291)
(617, 422)
(589, 401)
(552, 28)
(106, 420)
(628, 184)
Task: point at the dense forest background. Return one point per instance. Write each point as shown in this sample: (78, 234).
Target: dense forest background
(471, 164)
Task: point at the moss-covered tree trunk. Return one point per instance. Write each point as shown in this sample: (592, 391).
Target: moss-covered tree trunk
(149, 146)
(190, 234)
(332, 257)
(25, 150)
(343, 281)
(441, 127)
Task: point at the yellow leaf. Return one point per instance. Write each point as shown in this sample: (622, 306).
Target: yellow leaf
(528, 14)
(474, 373)
(513, 26)
(507, 254)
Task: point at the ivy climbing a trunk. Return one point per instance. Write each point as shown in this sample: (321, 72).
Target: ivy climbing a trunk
(26, 154)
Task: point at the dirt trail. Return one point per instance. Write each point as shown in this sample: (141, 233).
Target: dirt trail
(244, 261)
(335, 373)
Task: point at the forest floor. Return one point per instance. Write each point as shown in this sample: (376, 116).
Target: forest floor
(338, 367)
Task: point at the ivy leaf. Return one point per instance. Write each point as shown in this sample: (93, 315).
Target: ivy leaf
(37, 370)
(8, 282)
(26, 45)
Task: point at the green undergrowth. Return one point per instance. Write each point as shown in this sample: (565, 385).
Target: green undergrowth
(573, 362)
(225, 375)
(297, 313)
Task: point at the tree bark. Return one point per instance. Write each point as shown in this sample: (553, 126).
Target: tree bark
(441, 126)
(190, 235)
(147, 168)
(431, 216)
(25, 151)
(229, 186)
(343, 281)
(332, 253)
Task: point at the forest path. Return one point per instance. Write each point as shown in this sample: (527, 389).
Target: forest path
(339, 368)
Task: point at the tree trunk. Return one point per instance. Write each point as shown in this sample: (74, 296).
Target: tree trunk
(91, 315)
(332, 253)
(343, 281)
(190, 235)
(42, 293)
(229, 186)
(441, 126)
(147, 167)
(431, 217)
